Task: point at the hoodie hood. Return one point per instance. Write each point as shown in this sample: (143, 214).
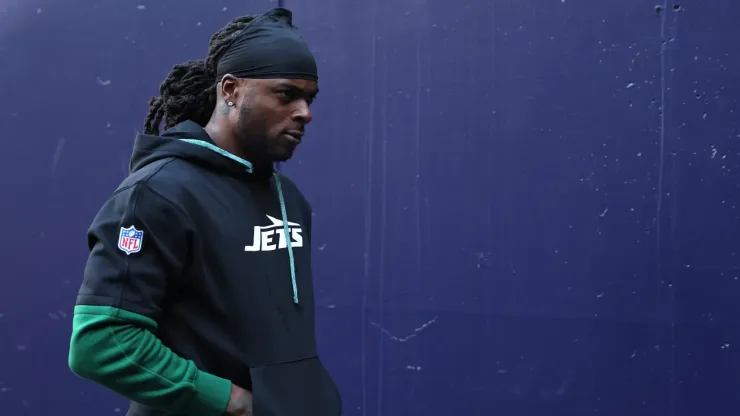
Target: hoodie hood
(189, 141)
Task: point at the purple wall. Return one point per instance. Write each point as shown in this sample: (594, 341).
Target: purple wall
(523, 208)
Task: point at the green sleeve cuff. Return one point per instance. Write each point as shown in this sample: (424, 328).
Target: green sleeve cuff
(212, 395)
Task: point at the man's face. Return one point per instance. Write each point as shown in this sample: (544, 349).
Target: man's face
(272, 117)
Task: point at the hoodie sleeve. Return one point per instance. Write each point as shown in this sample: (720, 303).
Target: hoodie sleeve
(139, 243)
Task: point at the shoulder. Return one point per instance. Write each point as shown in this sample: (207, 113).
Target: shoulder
(155, 189)
(163, 172)
(171, 178)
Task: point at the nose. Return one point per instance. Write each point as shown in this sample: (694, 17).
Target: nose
(302, 112)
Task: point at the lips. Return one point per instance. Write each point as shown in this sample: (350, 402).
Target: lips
(294, 135)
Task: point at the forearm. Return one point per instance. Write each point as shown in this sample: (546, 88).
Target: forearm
(118, 349)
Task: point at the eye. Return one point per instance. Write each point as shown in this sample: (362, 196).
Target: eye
(288, 96)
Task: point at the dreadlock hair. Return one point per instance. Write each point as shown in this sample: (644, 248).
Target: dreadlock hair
(189, 91)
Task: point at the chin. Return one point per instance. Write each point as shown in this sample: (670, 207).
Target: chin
(281, 157)
(282, 154)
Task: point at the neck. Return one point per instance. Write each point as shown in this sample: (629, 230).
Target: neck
(227, 141)
(222, 138)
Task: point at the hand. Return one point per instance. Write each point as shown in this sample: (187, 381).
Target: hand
(240, 402)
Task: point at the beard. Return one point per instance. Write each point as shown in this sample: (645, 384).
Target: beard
(255, 140)
(252, 136)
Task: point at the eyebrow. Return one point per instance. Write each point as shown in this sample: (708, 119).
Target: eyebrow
(295, 88)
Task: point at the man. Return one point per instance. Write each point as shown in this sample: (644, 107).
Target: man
(197, 296)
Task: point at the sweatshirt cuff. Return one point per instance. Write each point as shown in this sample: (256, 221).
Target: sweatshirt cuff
(212, 395)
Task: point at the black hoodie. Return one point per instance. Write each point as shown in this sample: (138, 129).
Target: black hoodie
(191, 284)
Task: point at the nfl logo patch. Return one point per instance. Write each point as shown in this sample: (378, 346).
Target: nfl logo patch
(129, 240)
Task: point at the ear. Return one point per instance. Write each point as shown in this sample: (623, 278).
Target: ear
(229, 87)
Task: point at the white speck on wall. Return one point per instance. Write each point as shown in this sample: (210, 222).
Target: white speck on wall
(141, 7)
(413, 334)
(57, 154)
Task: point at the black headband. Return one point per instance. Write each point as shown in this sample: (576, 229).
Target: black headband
(269, 47)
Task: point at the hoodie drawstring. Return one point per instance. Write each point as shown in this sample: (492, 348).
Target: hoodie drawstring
(283, 211)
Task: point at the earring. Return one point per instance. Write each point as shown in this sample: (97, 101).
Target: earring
(231, 104)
